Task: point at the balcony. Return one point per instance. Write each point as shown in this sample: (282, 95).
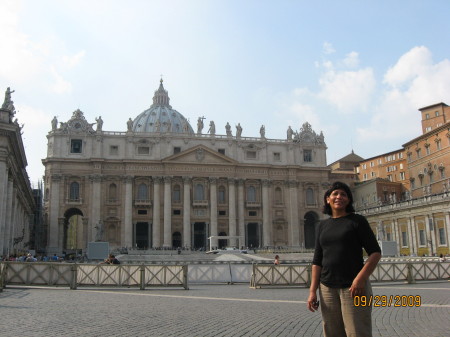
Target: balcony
(74, 201)
(147, 203)
(200, 203)
(252, 204)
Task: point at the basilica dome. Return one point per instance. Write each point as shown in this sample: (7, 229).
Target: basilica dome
(160, 117)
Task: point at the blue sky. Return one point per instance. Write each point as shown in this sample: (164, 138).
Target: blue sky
(356, 70)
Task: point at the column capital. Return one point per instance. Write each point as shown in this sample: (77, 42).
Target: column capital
(167, 179)
(266, 182)
(232, 180)
(187, 179)
(292, 183)
(241, 182)
(128, 179)
(95, 178)
(212, 180)
(56, 177)
(157, 179)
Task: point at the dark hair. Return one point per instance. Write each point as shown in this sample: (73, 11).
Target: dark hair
(338, 186)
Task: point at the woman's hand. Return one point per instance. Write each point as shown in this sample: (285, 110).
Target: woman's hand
(358, 287)
(312, 304)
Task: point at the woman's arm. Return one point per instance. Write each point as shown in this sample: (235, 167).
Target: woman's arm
(359, 283)
(315, 278)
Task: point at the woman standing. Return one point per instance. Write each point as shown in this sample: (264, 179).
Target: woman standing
(338, 269)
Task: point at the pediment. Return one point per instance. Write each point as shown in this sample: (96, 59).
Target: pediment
(200, 155)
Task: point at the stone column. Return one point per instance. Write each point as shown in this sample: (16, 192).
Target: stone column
(10, 208)
(447, 225)
(187, 212)
(431, 229)
(167, 212)
(301, 211)
(395, 236)
(412, 236)
(232, 210)
(128, 213)
(61, 222)
(53, 230)
(95, 215)
(3, 197)
(213, 214)
(241, 212)
(266, 213)
(156, 212)
(294, 222)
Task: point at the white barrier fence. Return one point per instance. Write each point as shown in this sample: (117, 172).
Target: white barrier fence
(161, 275)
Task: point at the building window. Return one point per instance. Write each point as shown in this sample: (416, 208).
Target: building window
(252, 213)
(373, 174)
(371, 164)
(310, 196)
(402, 176)
(277, 156)
(442, 172)
(421, 237)
(419, 153)
(427, 116)
(221, 195)
(199, 192)
(222, 151)
(365, 176)
(438, 144)
(427, 150)
(251, 154)
(428, 129)
(143, 150)
(142, 192)
(380, 161)
(431, 176)
(222, 213)
(307, 156)
(142, 212)
(278, 196)
(76, 146)
(176, 149)
(251, 194)
(176, 195)
(112, 193)
(74, 191)
(436, 113)
(176, 212)
(114, 150)
(409, 157)
(413, 183)
(404, 239)
(442, 236)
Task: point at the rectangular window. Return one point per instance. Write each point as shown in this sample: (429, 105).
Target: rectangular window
(176, 212)
(388, 236)
(427, 150)
(176, 149)
(252, 213)
(428, 129)
(143, 150)
(436, 113)
(222, 213)
(307, 156)
(442, 236)
(442, 173)
(277, 156)
(421, 237)
(404, 239)
(419, 153)
(379, 161)
(409, 157)
(373, 174)
(402, 176)
(114, 150)
(365, 176)
(427, 116)
(222, 151)
(76, 146)
(438, 145)
(142, 211)
(371, 164)
(251, 154)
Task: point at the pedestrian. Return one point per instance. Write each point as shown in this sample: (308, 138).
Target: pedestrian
(277, 260)
(338, 268)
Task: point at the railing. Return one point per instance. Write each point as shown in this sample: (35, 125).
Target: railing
(300, 275)
(75, 275)
(168, 275)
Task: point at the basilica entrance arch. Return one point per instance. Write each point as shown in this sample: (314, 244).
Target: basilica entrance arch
(142, 239)
(311, 222)
(222, 243)
(73, 230)
(176, 240)
(253, 235)
(200, 235)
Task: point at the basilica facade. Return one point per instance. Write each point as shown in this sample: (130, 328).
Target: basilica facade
(162, 184)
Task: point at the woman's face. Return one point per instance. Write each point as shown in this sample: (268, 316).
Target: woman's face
(338, 201)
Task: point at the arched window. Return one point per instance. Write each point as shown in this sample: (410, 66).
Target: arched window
(74, 193)
(310, 196)
(176, 196)
(142, 192)
(112, 192)
(221, 195)
(278, 196)
(251, 193)
(199, 192)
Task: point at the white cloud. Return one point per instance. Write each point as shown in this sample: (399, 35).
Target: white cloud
(351, 60)
(60, 85)
(73, 61)
(349, 91)
(328, 48)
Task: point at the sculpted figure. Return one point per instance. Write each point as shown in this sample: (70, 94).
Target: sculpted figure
(129, 124)
(99, 121)
(228, 129)
(200, 125)
(54, 123)
(212, 128)
(289, 133)
(99, 233)
(238, 130)
(262, 131)
(8, 103)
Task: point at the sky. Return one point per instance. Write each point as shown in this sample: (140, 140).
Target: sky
(358, 71)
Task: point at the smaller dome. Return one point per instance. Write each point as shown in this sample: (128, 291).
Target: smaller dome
(160, 117)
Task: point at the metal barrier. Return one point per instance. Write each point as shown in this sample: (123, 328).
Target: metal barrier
(219, 273)
(74, 275)
(300, 275)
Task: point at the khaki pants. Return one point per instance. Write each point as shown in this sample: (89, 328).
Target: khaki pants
(341, 317)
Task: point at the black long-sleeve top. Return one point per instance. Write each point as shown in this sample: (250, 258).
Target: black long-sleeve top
(339, 247)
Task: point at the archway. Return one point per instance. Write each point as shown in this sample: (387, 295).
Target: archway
(176, 240)
(222, 243)
(142, 235)
(253, 235)
(73, 230)
(200, 235)
(311, 219)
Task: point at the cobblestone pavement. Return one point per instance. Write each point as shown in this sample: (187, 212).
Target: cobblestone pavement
(205, 310)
